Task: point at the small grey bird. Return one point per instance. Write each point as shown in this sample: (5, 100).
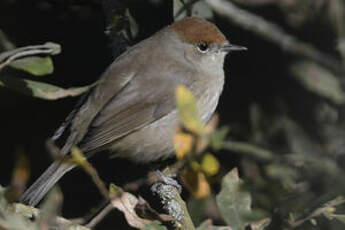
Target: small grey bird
(131, 112)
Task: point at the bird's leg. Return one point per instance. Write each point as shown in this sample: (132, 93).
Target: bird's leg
(165, 179)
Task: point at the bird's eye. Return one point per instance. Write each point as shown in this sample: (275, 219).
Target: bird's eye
(203, 47)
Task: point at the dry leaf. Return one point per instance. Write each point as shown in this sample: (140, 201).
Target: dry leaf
(183, 143)
(196, 183)
(126, 203)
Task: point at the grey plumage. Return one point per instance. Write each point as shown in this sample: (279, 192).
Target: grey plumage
(131, 111)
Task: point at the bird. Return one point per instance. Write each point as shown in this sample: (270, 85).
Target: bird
(131, 112)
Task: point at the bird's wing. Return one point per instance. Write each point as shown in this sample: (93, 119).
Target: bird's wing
(139, 104)
(113, 81)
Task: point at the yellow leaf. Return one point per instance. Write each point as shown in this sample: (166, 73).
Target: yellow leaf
(188, 111)
(78, 157)
(196, 183)
(20, 177)
(209, 164)
(114, 190)
(195, 165)
(183, 143)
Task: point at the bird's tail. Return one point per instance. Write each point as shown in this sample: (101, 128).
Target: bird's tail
(34, 194)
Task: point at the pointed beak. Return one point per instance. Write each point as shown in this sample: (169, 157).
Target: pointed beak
(231, 47)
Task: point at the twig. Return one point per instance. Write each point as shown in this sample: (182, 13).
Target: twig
(185, 7)
(48, 48)
(81, 161)
(273, 33)
(326, 208)
(96, 219)
(247, 148)
(174, 205)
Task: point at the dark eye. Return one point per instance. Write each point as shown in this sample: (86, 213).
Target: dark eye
(203, 47)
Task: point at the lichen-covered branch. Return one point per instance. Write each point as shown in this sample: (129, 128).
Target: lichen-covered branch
(174, 205)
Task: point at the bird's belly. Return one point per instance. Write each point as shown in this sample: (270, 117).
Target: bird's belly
(156, 141)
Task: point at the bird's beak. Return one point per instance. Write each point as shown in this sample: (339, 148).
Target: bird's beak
(231, 47)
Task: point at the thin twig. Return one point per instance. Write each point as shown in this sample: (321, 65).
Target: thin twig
(81, 161)
(319, 211)
(185, 7)
(273, 33)
(99, 217)
(243, 147)
(48, 48)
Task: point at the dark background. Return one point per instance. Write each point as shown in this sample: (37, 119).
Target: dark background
(260, 75)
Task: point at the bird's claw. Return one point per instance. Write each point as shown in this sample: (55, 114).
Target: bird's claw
(165, 179)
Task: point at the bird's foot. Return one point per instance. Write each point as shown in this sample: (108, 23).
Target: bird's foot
(165, 179)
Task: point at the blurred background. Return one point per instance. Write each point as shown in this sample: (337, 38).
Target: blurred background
(284, 96)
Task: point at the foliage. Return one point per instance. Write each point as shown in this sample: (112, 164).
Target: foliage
(286, 152)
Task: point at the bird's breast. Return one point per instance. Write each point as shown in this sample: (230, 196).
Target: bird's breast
(207, 99)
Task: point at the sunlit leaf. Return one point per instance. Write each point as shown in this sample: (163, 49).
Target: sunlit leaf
(209, 164)
(183, 143)
(34, 65)
(188, 111)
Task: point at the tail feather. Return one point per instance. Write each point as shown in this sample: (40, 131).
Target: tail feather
(34, 194)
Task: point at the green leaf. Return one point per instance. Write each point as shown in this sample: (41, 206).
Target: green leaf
(207, 225)
(37, 66)
(233, 202)
(217, 137)
(40, 89)
(154, 225)
(234, 205)
(209, 164)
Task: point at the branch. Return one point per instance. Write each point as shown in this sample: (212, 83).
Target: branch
(243, 147)
(273, 33)
(174, 204)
